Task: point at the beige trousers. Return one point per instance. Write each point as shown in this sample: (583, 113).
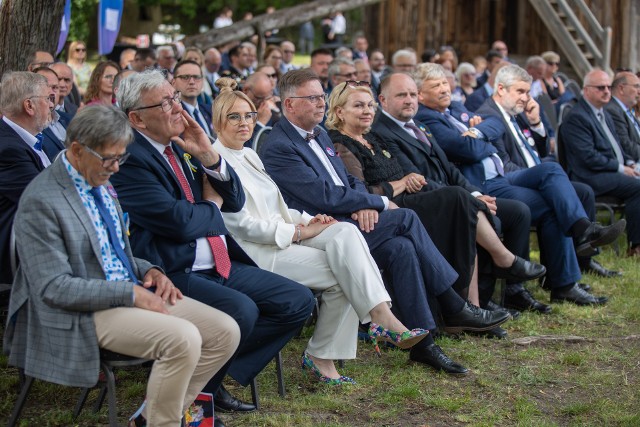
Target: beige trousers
(336, 262)
(189, 346)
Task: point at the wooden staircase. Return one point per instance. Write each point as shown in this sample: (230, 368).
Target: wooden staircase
(583, 41)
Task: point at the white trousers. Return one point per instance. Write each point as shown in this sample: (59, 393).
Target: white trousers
(338, 263)
(189, 346)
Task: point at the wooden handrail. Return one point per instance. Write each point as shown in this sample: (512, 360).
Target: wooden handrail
(584, 34)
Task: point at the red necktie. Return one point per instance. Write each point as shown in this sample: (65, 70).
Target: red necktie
(219, 250)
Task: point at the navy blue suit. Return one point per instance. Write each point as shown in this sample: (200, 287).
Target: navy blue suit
(164, 227)
(51, 145)
(590, 158)
(548, 193)
(477, 98)
(513, 217)
(624, 129)
(399, 243)
(19, 164)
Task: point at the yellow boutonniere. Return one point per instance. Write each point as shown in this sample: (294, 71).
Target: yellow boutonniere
(187, 159)
(386, 154)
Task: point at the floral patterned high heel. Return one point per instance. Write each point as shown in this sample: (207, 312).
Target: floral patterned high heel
(406, 339)
(307, 363)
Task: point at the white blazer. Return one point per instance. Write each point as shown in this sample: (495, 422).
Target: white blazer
(255, 228)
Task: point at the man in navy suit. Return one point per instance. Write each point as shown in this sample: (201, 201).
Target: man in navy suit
(301, 159)
(56, 133)
(25, 101)
(594, 155)
(173, 190)
(625, 94)
(65, 84)
(545, 188)
(188, 80)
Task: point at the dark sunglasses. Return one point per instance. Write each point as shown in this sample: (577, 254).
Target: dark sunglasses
(551, 63)
(601, 88)
(353, 84)
(81, 49)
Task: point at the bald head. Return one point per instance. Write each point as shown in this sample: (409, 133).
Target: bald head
(626, 88)
(258, 87)
(597, 88)
(212, 59)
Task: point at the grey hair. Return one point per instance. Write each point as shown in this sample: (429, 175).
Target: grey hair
(535, 61)
(164, 48)
(97, 126)
(509, 75)
(465, 68)
(402, 53)
(429, 71)
(334, 67)
(132, 87)
(16, 86)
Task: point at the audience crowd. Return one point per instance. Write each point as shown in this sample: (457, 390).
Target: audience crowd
(193, 208)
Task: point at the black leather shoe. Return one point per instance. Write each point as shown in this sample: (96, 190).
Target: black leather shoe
(433, 356)
(520, 271)
(223, 401)
(594, 267)
(496, 333)
(596, 235)
(472, 318)
(585, 286)
(577, 295)
(492, 306)
(217, 421)
(523, 300)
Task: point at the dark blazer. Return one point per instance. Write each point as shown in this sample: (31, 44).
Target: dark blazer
(586, 147)
(19, 164)
(507, 145)
(294, 165)
(625, 130)
(69, 107)
(465, 152)
(414, 156)
(164, 224)
(205, 109)
(477, 98)
(51, 145)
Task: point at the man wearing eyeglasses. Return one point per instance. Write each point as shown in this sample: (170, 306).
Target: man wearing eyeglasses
(288, 51)
(56, 132)
(188, 80)
(594, 155)
(174, 189)
(341, 70)
(259, 89)
(26, 101)
(625, 91)
(40, 58)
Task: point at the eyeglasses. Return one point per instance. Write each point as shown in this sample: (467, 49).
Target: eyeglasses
(347, 75)
(187, 77)
(260, 99)
(276, 57)
(314, 99)
(601, 88)
(353, 84)
(166, 105)
(81, 49)
(108, 162)
(236, 119)
(289, 51)
(637, 86)
(551, 63)
(51, 98)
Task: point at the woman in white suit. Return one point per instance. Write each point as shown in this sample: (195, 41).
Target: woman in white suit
(318, 252)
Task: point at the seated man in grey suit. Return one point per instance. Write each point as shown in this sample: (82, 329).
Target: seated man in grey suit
(594, 155)
(625, 94)
(78, 288)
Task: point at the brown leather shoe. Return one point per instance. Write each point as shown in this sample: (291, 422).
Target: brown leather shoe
(635, 251)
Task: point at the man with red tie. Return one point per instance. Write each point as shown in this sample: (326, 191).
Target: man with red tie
(174, 190)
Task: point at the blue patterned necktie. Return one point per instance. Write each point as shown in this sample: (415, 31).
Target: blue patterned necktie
(38, 144)
(632, 116)
(113, 235)
(524, 141)
(198, 118)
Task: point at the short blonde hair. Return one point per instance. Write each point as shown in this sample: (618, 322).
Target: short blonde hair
(550, 56)
(338, 98)
(225, 100)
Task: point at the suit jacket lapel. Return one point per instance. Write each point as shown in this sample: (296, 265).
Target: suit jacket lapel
(400, 133)
(70, 193)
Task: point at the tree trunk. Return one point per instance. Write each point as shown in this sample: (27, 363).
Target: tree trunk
(27, 26)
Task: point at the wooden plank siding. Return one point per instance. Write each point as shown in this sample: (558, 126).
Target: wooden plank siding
(471, 25)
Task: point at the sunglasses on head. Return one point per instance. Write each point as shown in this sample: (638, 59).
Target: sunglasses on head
(354, 84)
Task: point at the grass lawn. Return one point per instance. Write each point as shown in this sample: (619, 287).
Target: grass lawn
(593, 381)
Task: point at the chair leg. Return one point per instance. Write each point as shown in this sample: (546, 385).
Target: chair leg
(279, 374)
(81, 401)
(111, 393)
(100, 400)
(22, 397)
(254, 392)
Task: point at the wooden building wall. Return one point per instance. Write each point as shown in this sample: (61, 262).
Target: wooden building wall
(471, 25)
